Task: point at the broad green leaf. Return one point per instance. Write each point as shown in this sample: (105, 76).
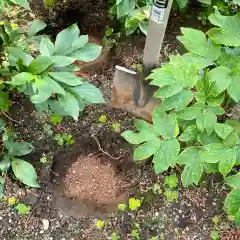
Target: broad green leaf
(23, 3)
(178, 101)
(79, 43)
(70, 105)
(66, 38)
(221, 76)
(5, 164)
(143, 126)
(46, 87)
(166, 155)
(57, 108)
(35, 27)
(168, 91)
(201, 62)
(182, 4)
(16, 54)
(218, 110)
(213, 152)
(88, 53)
(143, 25)
(147, 149)
(215, 101)
(46, 47)
(183, 72)
(205, 139)
(227, 32)
(234, 89)
(195, 42)
(137, 138)
(177, 70)
(22, 78)
(131, 25)
(210, 120)
(25, 172)
(4, 101)
(66, 77)
(189, 113)
(232, 202)
(161, 77)
(211, 167)
(124, 7)
(223, 130)
(18, 148)
(226, 164)
(1, 185)
(233, 181)
(229, 61)
(62, 61)
(192, 172)
(171, 181)
(220, 153)
(165, 125)
(89, 93)
(208, 2)
(40, 64)
(231, 140)
(190, 133)
(189, 154)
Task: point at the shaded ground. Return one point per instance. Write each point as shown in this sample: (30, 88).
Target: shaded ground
(189, 218)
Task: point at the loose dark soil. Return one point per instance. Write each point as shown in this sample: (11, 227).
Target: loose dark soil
(85, 181)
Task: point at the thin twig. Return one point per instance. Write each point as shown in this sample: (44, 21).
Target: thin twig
(100, 148)
(10, 118)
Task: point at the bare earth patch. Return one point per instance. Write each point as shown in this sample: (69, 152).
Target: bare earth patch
(93, 179)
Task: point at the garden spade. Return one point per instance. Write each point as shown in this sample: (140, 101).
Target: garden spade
(130, 89)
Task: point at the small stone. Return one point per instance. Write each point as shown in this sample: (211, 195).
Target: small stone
(48, 198)
(45, 223)
(10, 220)
(41, 232)
(180, 211)
(1, 218)
(187, 228)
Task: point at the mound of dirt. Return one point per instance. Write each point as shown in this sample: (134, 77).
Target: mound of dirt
(92, 178)
(90, 186)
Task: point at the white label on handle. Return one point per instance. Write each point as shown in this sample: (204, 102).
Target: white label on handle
(157, 14)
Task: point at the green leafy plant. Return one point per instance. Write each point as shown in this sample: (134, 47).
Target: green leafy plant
(56, 119)
(5, 3)
(132, 14)
(189, 127)
(171, 181)
(122, 206)
(23, 209)
(171, 195)
(134, 204)
(12, 201)
(157, 188)
(48, 79)
(135, 234)
(12, 151)
(64, 139)
(43, 159)
(102, 118)
(48, 129)
(116, 127)
(100, 224)
(115, 236)
(214, 235)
